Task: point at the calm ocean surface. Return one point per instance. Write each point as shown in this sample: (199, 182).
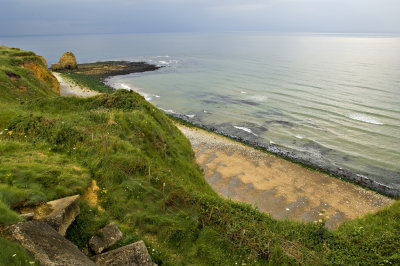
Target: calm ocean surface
(334, 100)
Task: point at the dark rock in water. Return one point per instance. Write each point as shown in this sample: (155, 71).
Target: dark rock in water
(63, 213)
(248, 102)
(46, 245)
(107, 237)
(133, 254)
(281, 122)
(27, 216)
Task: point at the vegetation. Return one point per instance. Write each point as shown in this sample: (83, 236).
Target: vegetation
(151, 186)
(13, 254)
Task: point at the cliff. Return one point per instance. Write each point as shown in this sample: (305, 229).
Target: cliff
(24, 75)
(148, 183)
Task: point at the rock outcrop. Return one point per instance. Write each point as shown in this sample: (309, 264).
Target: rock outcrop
(133, 254)
(63, 213)
(67, 61)
(43, 74)
(46, 245)
(106, 237)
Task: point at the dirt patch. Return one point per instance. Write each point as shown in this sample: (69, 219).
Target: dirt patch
(22, 89)
(77, 168)
(13, 76)
(40, 210)
(91, 194)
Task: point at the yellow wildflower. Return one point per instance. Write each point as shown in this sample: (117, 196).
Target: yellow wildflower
(10, 132)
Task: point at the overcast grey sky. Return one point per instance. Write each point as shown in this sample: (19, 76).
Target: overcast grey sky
(22, 17)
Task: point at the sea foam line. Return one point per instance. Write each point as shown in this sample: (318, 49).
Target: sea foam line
(248, 130)
(365, 118)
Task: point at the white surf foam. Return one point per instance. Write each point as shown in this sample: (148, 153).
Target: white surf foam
(168, 111)
(146, 96)
(126, 87)
(243, 92)
(190, 116)
(365, 118)
(248, 130)
(258, 98)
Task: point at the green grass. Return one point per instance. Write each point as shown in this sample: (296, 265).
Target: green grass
(152, 188)
(12, 254)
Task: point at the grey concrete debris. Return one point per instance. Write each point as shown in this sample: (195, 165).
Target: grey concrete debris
(106, 237)
(132, 255)
(46, 245)
(63, 213)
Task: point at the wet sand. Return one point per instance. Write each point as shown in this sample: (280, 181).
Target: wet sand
(283, 189)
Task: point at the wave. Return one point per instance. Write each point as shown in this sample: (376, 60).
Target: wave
(365, 118)
(258, 98)
(146, 96)
(248, 130)
(168, 110)
(164, 62)
(126, 87)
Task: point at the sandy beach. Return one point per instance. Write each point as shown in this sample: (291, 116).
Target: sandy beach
(283, 189)
(273, 185)
(69, 88)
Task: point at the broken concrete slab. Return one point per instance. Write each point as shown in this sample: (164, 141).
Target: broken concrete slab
(132, 254)
(63, 213)
(106, 237)
(46, 245)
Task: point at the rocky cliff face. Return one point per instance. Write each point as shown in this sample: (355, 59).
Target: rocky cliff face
(43, 74)
(67, 61)
(23, 74)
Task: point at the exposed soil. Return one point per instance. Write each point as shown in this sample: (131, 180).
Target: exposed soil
(91, 195)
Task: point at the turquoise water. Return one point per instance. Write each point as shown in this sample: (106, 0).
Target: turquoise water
(333, 100)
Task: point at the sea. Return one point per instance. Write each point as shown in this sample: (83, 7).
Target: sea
(330, 101)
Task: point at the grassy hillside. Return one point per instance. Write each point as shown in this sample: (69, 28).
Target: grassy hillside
(150, 185)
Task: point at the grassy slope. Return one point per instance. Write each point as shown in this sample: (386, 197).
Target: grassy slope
(151, 186)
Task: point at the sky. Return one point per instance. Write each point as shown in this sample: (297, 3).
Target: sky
(48, 17)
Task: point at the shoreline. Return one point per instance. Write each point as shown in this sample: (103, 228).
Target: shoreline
(107, 69)
(289, 155)
(276, 186)
(69, 88)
